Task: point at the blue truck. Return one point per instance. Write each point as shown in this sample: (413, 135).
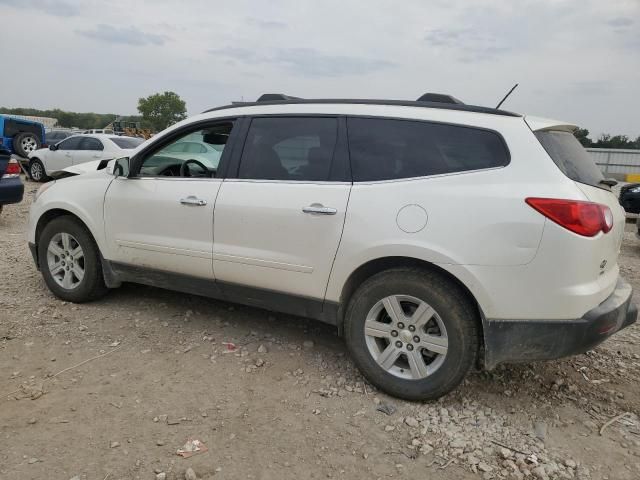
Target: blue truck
(20, 136)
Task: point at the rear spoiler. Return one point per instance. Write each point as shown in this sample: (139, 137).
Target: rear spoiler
(538, 124)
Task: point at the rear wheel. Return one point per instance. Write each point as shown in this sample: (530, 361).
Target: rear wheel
(412, 333)
(70, 262)
(36, 171)
(25, 143)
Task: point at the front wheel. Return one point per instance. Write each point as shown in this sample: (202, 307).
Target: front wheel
(412, 333)
(69, 261)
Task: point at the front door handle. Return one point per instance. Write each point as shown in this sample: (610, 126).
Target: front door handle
(319, 209)
(193, 200)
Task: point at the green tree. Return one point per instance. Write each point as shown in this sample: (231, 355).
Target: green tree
(162, 109)
(615, 141)
(582, 134)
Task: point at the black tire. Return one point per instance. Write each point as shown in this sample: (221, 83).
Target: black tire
(92, 286)
(37, 172)
(456, 311)
(18, 146)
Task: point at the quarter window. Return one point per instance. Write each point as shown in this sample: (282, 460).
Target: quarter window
(297, 149)
(382, 149)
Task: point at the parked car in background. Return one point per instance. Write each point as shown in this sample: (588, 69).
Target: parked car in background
(78, 149)
(21, 136)
(100, 131)
(630, 198)
(431, 234)
(11, 187)
(54, 136)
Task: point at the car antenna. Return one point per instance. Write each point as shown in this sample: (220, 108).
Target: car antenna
(507, 95)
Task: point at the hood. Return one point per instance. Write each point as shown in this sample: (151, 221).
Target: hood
(81, 168)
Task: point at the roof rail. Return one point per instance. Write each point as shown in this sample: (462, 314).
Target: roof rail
(272, 97)
(449, 105)
(440, 98)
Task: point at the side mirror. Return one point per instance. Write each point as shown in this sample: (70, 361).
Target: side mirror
(121, 167)
(52, 147)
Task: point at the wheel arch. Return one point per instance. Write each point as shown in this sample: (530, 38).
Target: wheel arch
(57, 212)
(381, 264)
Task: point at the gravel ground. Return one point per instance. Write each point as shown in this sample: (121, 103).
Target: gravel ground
(275, 396)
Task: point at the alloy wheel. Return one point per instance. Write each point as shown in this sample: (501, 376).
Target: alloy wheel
(406, 337)
(65, 260)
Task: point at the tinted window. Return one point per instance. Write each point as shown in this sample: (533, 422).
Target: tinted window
(126, 142)
(383, 149)
(289, 149)
(91, 144)
(72, 143)
(574, 161)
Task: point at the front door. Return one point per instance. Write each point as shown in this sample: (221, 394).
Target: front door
(62, 156)
(278, 224)
(161, 218)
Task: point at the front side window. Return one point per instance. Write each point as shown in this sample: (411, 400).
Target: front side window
(195, 154)
(297, 149)
(382, 149)
(71, 143)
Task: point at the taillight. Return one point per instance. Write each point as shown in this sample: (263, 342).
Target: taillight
(584, 218)
(12, 170)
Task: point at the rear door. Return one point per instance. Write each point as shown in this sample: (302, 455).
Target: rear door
(278, 223)
(90, 149)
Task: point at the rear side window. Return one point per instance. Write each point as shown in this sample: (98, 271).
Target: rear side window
(382, 149)
(91, 144)
(298, 149)
(126, 142)
(570, 157)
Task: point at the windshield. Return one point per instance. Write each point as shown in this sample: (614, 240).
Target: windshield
(126, 142)
(570, 157)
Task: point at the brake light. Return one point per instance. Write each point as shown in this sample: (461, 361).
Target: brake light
(12, 170)
(584, 218)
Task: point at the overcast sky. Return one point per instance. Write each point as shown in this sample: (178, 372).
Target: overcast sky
(575, 60)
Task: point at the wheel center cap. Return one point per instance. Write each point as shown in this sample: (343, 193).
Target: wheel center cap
(406, 336)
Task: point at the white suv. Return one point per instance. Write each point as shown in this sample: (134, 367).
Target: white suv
(432, 234)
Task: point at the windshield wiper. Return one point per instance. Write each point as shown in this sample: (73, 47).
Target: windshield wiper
(609, 182)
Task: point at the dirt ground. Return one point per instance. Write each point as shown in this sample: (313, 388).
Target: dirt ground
(286, 402)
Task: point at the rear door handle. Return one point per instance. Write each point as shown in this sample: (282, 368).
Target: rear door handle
(193, 200)
(319, 209)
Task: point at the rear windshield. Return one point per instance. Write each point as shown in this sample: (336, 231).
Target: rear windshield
(571, 157)
(126, 143)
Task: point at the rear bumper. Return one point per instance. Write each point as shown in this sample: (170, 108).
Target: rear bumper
(510, 341)
(11, 190)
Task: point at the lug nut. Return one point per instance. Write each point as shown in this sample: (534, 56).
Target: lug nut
(63, 263)
(416, 339)
(394, 333)
(409, 347)
(401, 325)
(412, 328)
(399, 344)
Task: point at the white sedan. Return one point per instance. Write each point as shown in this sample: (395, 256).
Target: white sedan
(78, 149)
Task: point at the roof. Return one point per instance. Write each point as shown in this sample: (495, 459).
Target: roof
(357, 101)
